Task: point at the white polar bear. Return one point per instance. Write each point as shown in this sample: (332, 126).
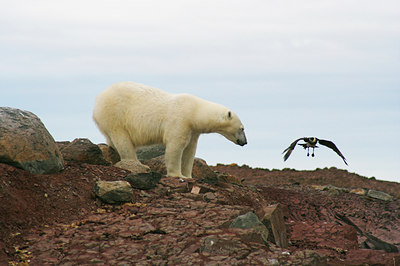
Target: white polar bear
(131, 115)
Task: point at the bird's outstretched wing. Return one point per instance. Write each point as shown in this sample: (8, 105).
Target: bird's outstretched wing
(289, 149)
(332, 145)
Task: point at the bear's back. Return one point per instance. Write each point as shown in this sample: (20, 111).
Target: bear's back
(129, 90)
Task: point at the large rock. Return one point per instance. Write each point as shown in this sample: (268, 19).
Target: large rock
(25, 143)
(82, 150)
(202, 171)
(251, 221)
(273, 220)
(144, 180)
(113, 191)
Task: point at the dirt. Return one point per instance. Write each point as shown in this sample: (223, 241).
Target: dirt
(32, 202)
(56, 219)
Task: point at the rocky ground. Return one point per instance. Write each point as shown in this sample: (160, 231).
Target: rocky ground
(56, 219)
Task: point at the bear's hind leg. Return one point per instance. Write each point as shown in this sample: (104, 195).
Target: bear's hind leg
(109, 142)
(124, 146)
(188, 157)
(126, 150)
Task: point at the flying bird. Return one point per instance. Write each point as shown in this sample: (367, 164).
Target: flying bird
(312, 143)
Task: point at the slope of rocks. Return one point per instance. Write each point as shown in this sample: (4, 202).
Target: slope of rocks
(56, 219)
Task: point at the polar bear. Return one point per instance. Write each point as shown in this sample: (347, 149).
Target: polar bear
(131, 115)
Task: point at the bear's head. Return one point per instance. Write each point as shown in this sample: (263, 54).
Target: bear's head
(232, 129)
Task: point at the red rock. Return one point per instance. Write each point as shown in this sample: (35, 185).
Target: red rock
(273, 220)
(109, 154)
(82, 150)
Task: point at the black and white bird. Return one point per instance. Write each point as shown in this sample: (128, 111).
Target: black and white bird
(312, 143)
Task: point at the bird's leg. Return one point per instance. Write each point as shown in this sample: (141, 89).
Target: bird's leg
(313, 151)
(308, 151)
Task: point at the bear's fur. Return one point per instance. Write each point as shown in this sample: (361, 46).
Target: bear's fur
(131, 115)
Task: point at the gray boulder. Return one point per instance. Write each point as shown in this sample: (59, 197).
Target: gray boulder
(149, 152)
(25, 143)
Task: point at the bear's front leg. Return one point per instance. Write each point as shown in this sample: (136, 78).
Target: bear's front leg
(188, 156)
(173, 157)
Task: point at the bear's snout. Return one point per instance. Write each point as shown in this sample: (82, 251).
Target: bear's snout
(241, 140)
(241, 137)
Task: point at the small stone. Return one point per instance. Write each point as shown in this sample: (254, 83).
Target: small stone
(319, 187)
(96, 261)
(330, 189)
(209, 196)
(195, 190)
(359, 191)
(308, 257)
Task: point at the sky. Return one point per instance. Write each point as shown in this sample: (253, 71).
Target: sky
(288, 68)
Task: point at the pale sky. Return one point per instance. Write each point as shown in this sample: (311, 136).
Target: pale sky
(289, 69)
